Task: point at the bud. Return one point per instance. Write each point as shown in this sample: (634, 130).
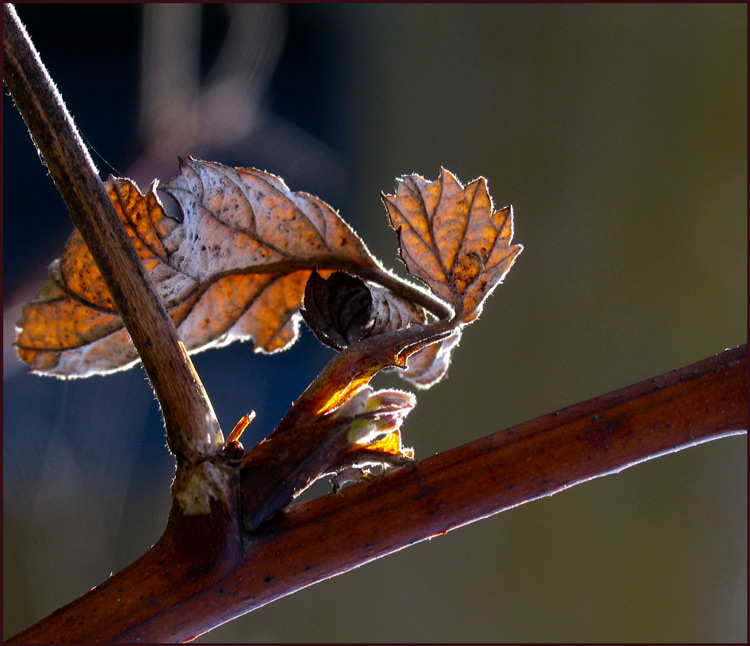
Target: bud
(376, 413)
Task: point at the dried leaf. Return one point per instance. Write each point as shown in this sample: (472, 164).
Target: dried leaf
(452, 239)
(343, 309)
(234, 268)
(430, 364)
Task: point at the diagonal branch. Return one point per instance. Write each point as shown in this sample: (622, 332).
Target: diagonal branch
(192, 429)
(331, 535)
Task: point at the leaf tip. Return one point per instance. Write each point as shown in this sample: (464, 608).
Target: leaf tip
(446, 175)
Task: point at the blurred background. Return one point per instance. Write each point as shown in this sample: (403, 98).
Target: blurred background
(619, 134)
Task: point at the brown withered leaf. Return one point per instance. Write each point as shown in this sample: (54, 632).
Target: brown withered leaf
(74, 307)
(234, 268)
(430, 364)
(451, 238)
(343, 309)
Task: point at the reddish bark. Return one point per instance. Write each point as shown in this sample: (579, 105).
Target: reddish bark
(197, 577)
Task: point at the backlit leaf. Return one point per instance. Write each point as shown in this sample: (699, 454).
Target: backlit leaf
(234, 268)
(451, 238)
(343, 309)
(430, 364)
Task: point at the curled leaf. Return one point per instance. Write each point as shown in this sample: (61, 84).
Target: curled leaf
(233, 268)
(451, 238)
(343, 309)
(430, 364)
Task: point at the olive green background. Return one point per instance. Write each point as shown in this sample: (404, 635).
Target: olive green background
(618, 132)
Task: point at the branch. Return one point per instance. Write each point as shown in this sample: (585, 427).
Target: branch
(328, 536)
(192, 429)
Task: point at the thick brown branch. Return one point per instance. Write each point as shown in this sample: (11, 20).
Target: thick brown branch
(333, 534)
(192, 428)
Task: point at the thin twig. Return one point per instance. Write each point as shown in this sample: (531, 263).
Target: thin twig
(192, 428)
(333, 534)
